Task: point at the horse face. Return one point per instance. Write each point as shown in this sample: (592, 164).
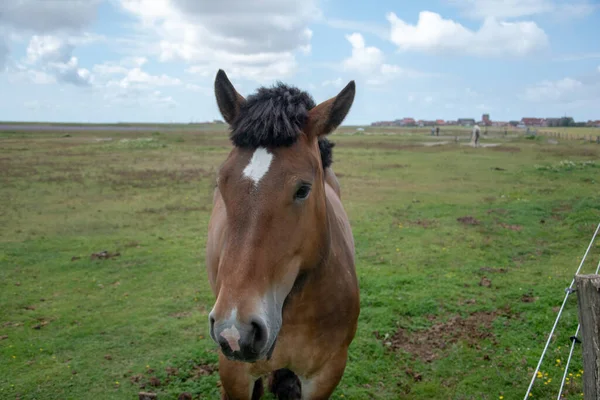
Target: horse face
(276, 227)
(272, 189)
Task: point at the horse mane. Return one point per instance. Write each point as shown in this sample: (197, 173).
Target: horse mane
(272, 117)
(326, 150)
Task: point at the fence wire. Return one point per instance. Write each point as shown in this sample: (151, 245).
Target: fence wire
(574, 341)
(568, 291)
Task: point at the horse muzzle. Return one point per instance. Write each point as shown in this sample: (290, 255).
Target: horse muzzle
(241, 341)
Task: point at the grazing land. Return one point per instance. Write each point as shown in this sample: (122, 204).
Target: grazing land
(463, 255)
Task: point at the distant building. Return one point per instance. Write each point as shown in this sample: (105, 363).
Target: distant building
(593, 124)
(485, 120)
(408, 122)
(532, 121)
(440, 122)
(466, 121)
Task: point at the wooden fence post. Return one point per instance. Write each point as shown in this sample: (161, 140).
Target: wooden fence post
(588, 306)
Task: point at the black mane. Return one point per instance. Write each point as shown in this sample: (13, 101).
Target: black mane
(272, 117)
(326, 149)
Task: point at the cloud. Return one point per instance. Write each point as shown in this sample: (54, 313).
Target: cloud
(22, 73)
(125, 83)
(47, 16)
(560, 90)
(262, 43)
(56, 28)
(366, 27)
(137, 77)
(572, 92)
(364, 58)
(137, 97)
(48, 49)
(338, 82)
(53, 55)
(507, 9)
(3, 54)
(370, 62)
(577, 57)
(436, 35)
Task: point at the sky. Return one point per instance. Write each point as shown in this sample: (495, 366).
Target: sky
(156, 60)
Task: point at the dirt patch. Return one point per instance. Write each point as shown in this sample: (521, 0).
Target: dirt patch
(468, 220)
(386, 166)
(364, 145)
(424, 223)
(485, 282)
(493, 270)
(528, 298)
(572, 152)
(179, 315)
(3, 337)
(200, 370)
(500, 211)
(173, 208)
(151, 178)
(42, 323)
(508, 149)
(516, 228)
(429, 343)
(104, 255)
(173, 374)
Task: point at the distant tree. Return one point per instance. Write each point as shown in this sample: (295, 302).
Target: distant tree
(566, 121)
(514, 123)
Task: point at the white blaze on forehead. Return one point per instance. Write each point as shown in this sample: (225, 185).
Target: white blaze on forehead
(259, 165)
(232, 335)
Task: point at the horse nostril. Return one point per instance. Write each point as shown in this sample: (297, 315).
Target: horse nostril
(211, 321)
(260, 333)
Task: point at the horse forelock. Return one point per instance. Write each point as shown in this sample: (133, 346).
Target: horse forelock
(272, 117)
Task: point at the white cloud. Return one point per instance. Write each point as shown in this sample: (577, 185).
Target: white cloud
(48, 49)
(22, 73)
(48, 16)
(338, 82)
(364, 58)
(119, 68)
(55, 28)
(506, 9)
(53, 56)
(563, 89)
(137, 77)
(366, 27)
(70, 72)
(434, 34)
(138, 97)
(569, 93)
(260, 45)
(3, 54)
(370, 62)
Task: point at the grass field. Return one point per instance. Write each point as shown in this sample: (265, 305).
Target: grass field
(463, 255)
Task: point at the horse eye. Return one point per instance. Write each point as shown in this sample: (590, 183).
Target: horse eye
(302, 192)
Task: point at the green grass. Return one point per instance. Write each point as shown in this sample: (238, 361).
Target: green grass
(76, 328)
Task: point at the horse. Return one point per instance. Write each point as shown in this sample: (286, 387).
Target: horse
(280, 249)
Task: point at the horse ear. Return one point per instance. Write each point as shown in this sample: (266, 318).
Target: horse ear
(328, 115)
(228, 99)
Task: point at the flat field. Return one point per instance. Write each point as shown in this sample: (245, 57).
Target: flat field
(463, 255)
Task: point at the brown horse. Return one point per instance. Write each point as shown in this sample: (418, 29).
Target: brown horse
(280, 251)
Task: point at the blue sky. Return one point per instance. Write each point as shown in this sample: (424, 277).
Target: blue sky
(155, 60)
